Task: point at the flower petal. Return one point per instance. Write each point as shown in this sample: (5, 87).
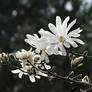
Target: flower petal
(75, 32)
(79, 41)
(58, 21)
(66, 21)
(62, 49)
(52, 28)
(16, 71)
(44, 33)
(20, 75)
(70, 25)
(74, 44)
(66, 44)
(32, 78)
(42, 74)
(38, 77)
(47, 66)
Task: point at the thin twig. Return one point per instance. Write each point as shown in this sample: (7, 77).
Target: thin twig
(79, 54)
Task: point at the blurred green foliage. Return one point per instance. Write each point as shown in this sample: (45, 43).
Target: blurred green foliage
(21, 17)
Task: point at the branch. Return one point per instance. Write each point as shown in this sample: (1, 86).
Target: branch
(71, 80)
(79, 54)
(86, 90)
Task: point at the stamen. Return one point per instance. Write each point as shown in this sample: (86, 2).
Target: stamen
(61, 39)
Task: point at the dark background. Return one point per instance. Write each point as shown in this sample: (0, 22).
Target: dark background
(20, 17)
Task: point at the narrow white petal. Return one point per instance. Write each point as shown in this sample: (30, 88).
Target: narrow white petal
(37, 51)
(47, 66)
(66, 44)
(58, 21)
(70, 40)
(16, 71)
(23, 50)
(42, 74)
(62, 49)
(60, 53)
(30, 37)
(56, 50)
(42, 55)
(66, 21)
(20, 75)
(74, 44)
(70, 25)
(44, 33)
(74, 35)
(79, 41)
(74, 32)
(46, 58)
(50, 50)
(36, 36)
(38, 77)
(52, 28)
(32, 78)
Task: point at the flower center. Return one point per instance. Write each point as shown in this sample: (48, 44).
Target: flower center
(25, 57)
(36, 59)
(29, 68)
(61, 39)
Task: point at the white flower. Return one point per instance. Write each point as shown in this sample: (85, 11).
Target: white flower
(40, 44)
(61, 37)
(35, 41)
(21, 73)
(29, 71)
(24, 55)
(37, 59)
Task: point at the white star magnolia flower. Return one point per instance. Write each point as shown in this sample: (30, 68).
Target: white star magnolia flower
(40, 44)
(61, 37)
(27, 71)
(21, 73)
(24, 55)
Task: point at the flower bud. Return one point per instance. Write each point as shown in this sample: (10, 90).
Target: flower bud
(75, 62)
(85, 79)
(71, 74)
(37, 59)
(4, 58)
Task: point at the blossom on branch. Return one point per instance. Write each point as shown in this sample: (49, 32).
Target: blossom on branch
(60, 36)
(31, 65)
(40, 44)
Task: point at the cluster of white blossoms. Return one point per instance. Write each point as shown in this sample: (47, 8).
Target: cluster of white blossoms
(54, 42)
(31, 65)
